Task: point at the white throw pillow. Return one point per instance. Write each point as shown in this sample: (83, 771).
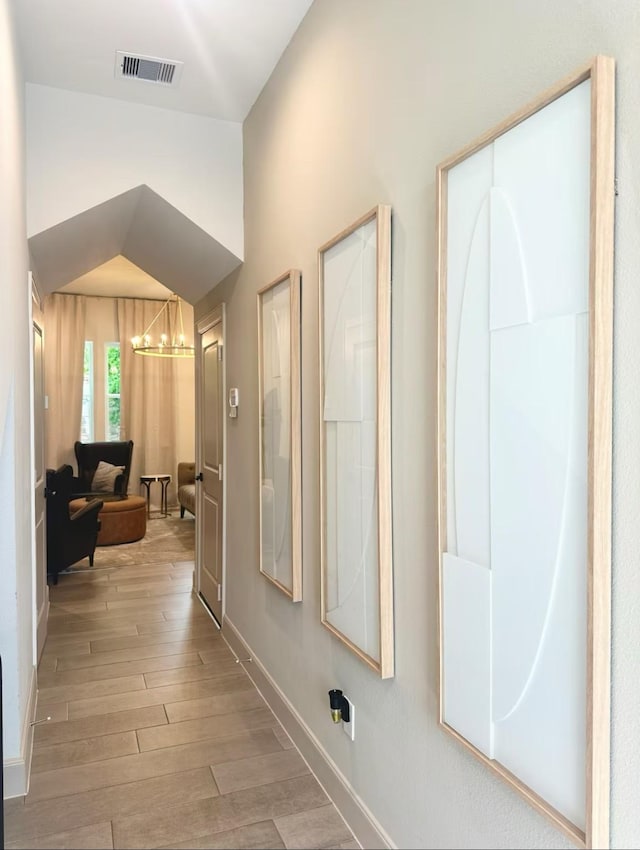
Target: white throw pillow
(104, 478)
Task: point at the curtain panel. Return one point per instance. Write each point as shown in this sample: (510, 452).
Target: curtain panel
(65, 319)
(148, 394)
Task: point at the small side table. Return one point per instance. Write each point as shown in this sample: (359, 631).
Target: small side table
(165, 480)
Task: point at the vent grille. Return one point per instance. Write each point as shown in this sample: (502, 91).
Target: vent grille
(132, 66)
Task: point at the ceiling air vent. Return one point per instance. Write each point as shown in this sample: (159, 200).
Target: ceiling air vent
(150, 69)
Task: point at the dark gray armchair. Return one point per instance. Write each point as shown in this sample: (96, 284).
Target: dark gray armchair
(89, 455)
(69, 538)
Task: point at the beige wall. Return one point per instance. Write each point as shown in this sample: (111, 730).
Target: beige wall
(369, 96)
(16, 587)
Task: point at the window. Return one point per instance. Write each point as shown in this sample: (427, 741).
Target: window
(86, 424)
(100, 392)
(112, 385)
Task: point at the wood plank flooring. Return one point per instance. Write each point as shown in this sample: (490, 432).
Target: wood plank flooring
(157, 738)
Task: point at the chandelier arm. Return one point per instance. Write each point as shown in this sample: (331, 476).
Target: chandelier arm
(174, 348)
(157, 316)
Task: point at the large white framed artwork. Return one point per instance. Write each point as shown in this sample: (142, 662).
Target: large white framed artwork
(355, 438)
(525, 243)
(280, 449)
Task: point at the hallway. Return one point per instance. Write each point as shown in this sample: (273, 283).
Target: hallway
(157, 736)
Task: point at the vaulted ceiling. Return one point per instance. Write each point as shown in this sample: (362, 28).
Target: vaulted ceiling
(229, 49)
(140, 226)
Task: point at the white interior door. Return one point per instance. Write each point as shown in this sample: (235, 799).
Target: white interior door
(39, 516)
(210, 453)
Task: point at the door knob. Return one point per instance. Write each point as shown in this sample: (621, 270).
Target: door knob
(199, 476)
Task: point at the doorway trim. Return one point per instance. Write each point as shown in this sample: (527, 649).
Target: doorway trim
(40, 614)
(217, 316)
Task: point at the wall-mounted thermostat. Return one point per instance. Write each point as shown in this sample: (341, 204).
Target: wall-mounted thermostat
(234, 397)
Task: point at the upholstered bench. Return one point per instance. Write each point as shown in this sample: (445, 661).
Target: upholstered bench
(121, 520)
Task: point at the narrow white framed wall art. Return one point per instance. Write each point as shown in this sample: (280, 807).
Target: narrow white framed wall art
(280, 437)
(525, 279)
(355, 438)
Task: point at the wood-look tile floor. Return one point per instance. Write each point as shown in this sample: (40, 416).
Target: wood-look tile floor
(157, 737)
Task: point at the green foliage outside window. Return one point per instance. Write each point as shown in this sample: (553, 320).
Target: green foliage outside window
(113, 370)
(113, 392)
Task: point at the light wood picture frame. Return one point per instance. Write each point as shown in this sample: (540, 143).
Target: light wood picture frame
(355, 438)
(524, 177)
(280, 434)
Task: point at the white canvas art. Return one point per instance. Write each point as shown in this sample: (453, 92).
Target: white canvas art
(350, 438)
(279, 434)
(357, 599)
(514, 574)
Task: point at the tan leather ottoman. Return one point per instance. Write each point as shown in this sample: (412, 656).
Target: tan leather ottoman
(121, 520)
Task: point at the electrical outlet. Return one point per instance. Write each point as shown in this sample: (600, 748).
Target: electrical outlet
(349, 728)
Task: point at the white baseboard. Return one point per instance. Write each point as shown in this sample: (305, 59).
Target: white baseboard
(17, 771)
(361, 821)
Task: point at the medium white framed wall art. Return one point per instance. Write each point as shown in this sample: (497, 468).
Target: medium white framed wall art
(355, 438)
(280, 437)
(525, 269)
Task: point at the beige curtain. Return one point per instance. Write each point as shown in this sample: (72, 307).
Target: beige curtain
(147, 398)
(64, 321)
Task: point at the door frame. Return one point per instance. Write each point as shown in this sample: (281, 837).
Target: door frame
(217, 316)
(40, 617)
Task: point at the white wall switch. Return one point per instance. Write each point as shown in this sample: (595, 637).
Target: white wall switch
(234, 401)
